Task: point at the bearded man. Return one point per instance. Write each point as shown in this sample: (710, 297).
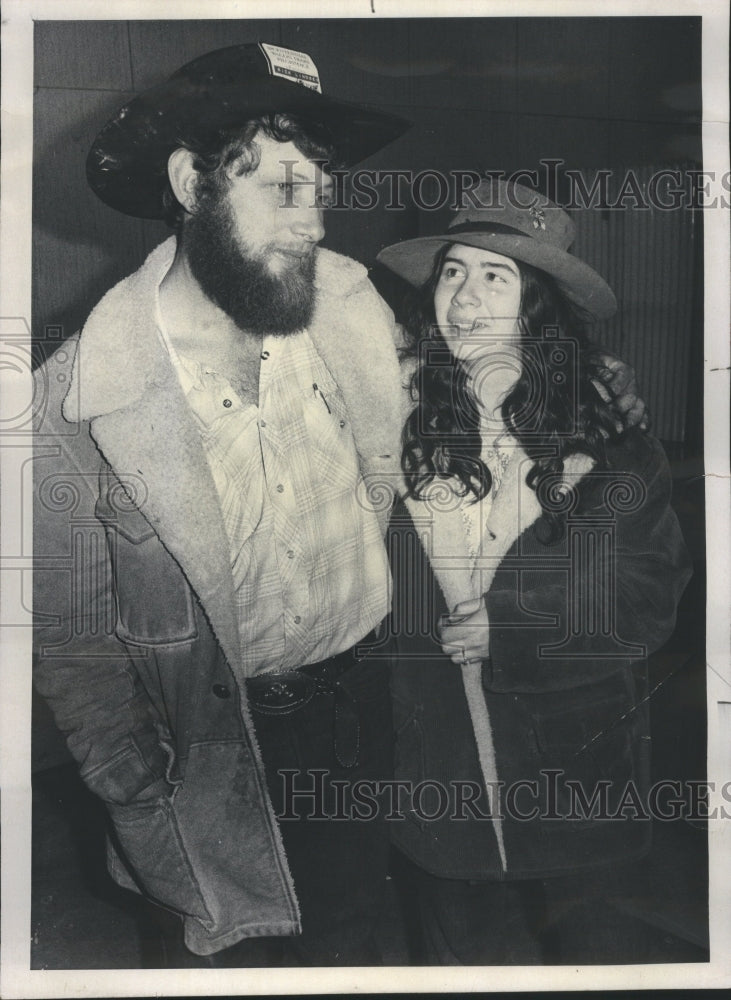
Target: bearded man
(214, 423)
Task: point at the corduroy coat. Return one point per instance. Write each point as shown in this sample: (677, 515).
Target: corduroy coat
(136, 632)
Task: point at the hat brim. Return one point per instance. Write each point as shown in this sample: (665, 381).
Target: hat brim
(127, 164)
(413, 260)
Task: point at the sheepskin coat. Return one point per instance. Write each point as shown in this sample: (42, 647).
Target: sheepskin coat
(134, 598)
(535, 762)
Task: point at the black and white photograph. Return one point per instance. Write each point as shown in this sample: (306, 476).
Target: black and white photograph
(365, 454)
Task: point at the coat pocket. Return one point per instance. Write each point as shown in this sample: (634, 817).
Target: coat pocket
(588, 755)
(153, 600)
(151, 846)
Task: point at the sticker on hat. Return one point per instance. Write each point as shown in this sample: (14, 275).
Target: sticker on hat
(292, 65)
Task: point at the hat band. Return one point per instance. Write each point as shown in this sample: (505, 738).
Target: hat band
(491, 228)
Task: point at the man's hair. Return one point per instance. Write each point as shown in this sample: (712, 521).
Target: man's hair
(216, 153)
(442, 434)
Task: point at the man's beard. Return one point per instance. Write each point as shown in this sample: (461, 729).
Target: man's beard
(241, 284)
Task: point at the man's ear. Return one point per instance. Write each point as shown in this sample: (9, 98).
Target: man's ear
(183, 178)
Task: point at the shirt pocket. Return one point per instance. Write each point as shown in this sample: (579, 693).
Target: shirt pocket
(154, 602)
(330, 437)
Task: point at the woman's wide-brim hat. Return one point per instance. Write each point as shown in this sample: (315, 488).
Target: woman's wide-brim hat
(127, 164)
(515, 222)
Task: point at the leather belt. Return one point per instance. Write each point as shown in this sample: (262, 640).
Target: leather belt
(287, 691)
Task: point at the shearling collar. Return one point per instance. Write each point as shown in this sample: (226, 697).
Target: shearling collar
(441, 531)
(514, 509)
(120, 356)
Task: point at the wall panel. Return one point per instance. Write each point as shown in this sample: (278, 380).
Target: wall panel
(158, 48)
(84, 54)
(80, 247)
(655, 67)
(356, 59)
(466, 63)
(563, 66)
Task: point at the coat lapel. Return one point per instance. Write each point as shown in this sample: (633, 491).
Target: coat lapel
(440, 528)
(439, 525)
(123, 382)
(156, 440)
(353, 332)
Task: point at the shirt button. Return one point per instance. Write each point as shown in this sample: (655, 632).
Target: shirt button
(221, 691)
(290, 554)
(280, 488)
(297, 619)
(227, 403)
(262, 423)
(342, 423)
(264, 355)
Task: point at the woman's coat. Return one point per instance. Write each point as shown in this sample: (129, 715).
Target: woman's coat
(556, 719)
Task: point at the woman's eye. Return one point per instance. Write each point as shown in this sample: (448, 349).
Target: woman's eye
(493, 276)
(450, 272)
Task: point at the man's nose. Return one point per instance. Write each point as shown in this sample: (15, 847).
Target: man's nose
(309, 225)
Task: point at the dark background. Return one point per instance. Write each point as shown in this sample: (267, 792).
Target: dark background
(483, 93)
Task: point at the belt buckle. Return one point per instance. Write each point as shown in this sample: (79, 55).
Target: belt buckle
(280, 693)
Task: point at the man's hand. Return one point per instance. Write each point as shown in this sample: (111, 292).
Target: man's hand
(465, 634)
(619, 388)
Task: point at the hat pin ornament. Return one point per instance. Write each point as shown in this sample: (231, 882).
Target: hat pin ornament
(538, 216)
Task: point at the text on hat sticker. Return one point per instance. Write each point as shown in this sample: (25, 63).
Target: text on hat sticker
(292, 65)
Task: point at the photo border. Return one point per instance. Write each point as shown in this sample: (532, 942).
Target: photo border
(17, 979)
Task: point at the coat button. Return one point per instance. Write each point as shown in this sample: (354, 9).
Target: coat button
(221, 691)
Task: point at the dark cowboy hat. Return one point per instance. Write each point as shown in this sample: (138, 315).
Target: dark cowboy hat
(127, 164)
(519, 223)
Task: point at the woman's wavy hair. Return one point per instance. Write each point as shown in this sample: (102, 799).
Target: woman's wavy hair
(221, 152)
(549, 416)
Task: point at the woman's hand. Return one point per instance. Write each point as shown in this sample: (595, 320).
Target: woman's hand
(465, 634)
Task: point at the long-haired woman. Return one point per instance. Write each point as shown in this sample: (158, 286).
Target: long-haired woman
(537, 563)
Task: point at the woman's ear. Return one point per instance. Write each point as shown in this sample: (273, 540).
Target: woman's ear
(183, 178)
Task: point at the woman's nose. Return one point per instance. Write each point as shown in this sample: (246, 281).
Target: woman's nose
(467, 295)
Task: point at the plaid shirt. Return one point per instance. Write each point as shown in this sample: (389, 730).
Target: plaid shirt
(309, 565)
